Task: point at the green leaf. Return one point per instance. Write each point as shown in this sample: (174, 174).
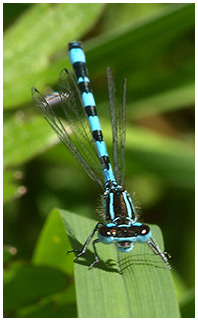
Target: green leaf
(118, 15)
(24, 137)
(30, 44)
(25, 285)
(173, 99)
(59, 305)
(52, 245)
(187, 304)
(121, 285)
(49, 309)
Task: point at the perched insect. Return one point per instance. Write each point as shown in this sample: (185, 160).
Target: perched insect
(79, 110)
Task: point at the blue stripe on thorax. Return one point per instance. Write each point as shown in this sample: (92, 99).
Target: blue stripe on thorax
(111, 206)
(128, 205)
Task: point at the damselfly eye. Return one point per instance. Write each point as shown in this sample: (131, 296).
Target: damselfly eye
(145, 230)
(107, 231)
(106, 234)
(111, 232)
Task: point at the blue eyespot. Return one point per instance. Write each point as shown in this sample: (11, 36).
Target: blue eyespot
(137, 224)
(110, 224)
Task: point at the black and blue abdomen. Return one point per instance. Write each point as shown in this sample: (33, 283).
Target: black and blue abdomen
(77, 58)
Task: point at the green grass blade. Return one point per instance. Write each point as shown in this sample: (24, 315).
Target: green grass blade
(52, 245)
(31, 134)
(30, 44)
(166, 101)
(187, 304)
(122, 285)
(25, 284)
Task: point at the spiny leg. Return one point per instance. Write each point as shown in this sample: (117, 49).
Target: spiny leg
(84, 247)
(95, 253)
(155, 248)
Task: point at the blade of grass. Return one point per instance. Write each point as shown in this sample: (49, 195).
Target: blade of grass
(122, 285)
(30, 44)
(25, 284)
(187, 304)
(52, 245)
(31, 135)
(171, 100)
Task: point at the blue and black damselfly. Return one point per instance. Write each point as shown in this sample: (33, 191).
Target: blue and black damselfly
(82, 135)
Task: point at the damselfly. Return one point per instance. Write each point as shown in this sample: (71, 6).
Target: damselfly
(84, 139)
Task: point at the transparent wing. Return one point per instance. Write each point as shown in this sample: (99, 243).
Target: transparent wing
(75, 114)
(118, 119)
(77, 140)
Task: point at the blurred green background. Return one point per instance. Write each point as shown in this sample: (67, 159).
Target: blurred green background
(152, 45)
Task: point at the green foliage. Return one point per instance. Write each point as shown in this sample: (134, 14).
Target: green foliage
(53, 245)
(33, 291)
(34, 41)
(126, 282)
(24, 285)
(29, 134)
(152, 45)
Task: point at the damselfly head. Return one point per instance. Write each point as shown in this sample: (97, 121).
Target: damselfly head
(124, 235)
(137, 232)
